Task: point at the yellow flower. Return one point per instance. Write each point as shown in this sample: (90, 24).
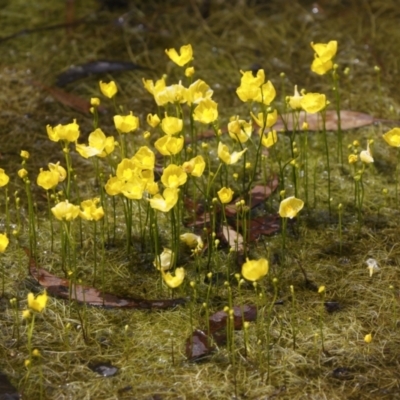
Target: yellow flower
(321, 67)
(174, 281)
(295, 100)
(86, 151)
(253, 88)
(3, 242)
(65, 211)
(164, 260)
(240, 130)
(197, 91)
(189, 72)
(153, 120)
(154, 88)
(26, 314)
(126, 123)
(368, 338)
(108, 89)
(225, 195)
(95, 101)
(206, 111)
(90, 210)
(325, 51)
(226, 157)
(186, 55)
(173, 176)
(171, 125)
(22, 173)
(192, 240)
(176, 93)
(4, 178)
(270, 139)
(165, 202)
(254, 270)
(133, 189)
(313, 102)
(114, 186)
(271, 119)
(144, 158)
(39, 303)
(69, 132)
(366, 156)
(290, 207)
(98, 140)
(392, 137)
(169, 145)
(127, 170)
(62, 173)
(47, 179)
(353, 158)
(24, 154)
(195, 166)
(321, 289)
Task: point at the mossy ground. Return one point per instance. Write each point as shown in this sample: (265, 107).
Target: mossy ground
(150, 352)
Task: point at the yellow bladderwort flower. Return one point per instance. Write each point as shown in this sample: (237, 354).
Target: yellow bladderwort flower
(26, 314)
(321, 289)
(174, 281)
(153, 120)
(189, 72)
(127, 170)
(321, 67)
(186, 55)
(114, 186)
(144, 158)
(198, 91)
(24, 154)
(90, 211)
(173, 176)
(192, 240)
(195, 166)
(165, 202)
(392, 137)
(206, 111)
(366, 156)
(240, 130)
(108, 89)
(4, 178)
(226, 157)
(86, 151)
(165, 260)
(225, 195)
(65, 211)
(68, 132)
(268, 140)
(368, 338)
(37, 303)
(3, 242)
(272, 117)
(126, 123)
(47, 179)
(254, 270)
(95, 101)
(324, 54)
(22, 173)
(171, 94)
(290, 206)
(171, 125)
(325, 51)
(155, 88)
(253, 88)
(353, 158)
(169, 145)
(134, 188)
(313, 102)
(62, 173)
(294, 101)
(98, 140)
